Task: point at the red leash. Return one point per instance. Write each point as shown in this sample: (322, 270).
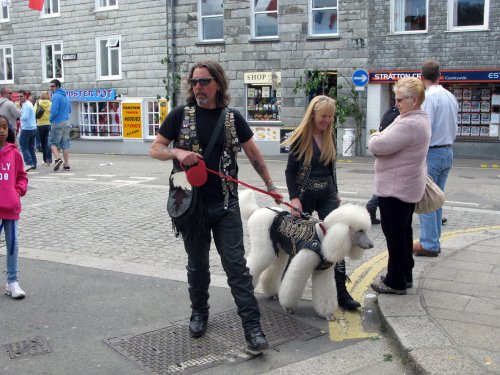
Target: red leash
(276, 196)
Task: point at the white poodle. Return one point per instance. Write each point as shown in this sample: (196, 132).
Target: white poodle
(315, 246)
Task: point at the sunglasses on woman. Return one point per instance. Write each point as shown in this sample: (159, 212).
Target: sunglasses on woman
(202, 81)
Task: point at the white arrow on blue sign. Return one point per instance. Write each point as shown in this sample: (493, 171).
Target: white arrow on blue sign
(360, 78)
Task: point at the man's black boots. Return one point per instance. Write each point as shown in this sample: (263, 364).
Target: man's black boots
(198, 324)
(343, 297)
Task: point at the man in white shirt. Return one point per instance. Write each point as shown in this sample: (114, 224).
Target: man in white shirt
(442, 107)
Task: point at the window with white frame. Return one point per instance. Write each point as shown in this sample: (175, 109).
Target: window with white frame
(211, 14)
(265, 18)
(323, 17)
(468, 14)
(106, 4)
(109, 57)
(100, 119)
(4, 11)
(153, 116)
(6, 64)
(409, 15)
(52, 62)
(50, 8)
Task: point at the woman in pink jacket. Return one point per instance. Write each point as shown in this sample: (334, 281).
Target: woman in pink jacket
(13, 185)
(400, 174)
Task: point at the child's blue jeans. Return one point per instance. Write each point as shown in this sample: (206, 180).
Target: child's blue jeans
(10, 229)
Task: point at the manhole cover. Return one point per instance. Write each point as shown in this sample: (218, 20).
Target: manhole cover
(28, 347)
(171, 350)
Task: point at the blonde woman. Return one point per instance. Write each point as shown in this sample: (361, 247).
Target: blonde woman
(311, 176)
(43, 127)
(400, 174)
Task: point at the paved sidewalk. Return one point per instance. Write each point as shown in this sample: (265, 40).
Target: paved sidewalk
(450, 323)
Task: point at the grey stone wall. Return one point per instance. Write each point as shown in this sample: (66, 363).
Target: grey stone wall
(142, 26)
(291, 53)
(453, 50)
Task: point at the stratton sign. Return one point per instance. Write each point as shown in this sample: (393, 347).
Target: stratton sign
(480, 75)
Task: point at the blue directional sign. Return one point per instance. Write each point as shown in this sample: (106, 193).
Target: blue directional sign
(360, 78)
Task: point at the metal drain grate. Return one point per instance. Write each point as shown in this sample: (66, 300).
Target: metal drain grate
(28, 347)
(171, 350)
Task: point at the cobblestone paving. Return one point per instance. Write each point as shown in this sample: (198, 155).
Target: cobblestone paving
(113, 207)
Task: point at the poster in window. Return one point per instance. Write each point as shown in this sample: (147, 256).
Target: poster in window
(458, 94)
(465, 131)
(493, 130)
(475, 106)
(467, 94)
(485, 107)
(484, 131)
(474, 131)
(485, 118)
(495, 118)
(266, 91)
(251, 92)
(459, 106)
(475, 118)
(485, 94)
(465, 118)
(476, 95)
(459, 130)
(251, 104)
(459, 119)
(465, 107)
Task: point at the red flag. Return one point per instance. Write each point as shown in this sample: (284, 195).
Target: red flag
(36, 5)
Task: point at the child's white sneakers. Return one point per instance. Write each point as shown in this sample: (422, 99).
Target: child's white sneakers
(14, 290)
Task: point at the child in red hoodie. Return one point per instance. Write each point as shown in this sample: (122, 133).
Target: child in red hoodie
(13, 185)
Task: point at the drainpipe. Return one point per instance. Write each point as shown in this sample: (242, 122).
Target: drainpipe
(172, 56)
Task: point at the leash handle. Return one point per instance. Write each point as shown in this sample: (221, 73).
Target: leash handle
(276, 196)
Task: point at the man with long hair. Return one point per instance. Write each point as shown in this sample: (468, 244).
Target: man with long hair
(190, 128)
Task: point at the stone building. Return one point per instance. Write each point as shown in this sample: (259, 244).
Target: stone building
(109, 53)
(464, 36)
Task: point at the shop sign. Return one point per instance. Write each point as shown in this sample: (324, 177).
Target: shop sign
(132, 120)
(262, 78)
(70, 56)
(94, 95)
(163, 103)
(391, 76)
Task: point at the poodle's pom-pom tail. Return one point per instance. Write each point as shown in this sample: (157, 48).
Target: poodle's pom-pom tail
(248, 203)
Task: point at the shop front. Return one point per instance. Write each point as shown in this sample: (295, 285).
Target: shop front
(263, 102)
(105, 121)
(478, 96)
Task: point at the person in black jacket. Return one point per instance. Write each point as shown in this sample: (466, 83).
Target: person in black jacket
(310, 174)
(387, 119)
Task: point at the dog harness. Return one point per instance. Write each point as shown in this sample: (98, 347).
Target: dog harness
(293, 234)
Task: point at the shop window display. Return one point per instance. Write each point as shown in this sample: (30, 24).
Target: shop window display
(153, 116)
(100, 119)
(263, 103)
(479, 110)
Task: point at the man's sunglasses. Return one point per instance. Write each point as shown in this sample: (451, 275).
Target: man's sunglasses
(202, 81)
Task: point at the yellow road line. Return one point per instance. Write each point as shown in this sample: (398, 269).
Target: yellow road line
(348, 325)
